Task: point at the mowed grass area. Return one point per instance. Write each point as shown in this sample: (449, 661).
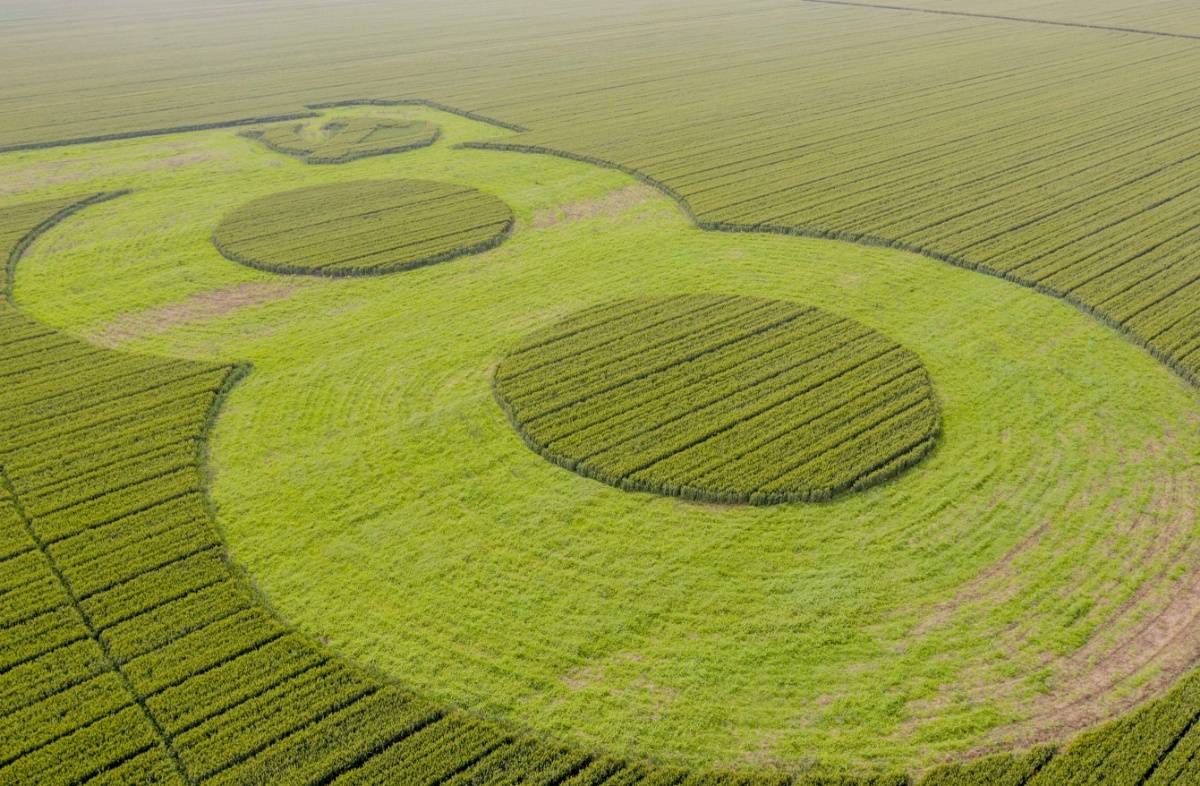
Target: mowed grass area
(377, 495)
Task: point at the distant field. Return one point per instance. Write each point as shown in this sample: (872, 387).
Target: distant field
(376, 494)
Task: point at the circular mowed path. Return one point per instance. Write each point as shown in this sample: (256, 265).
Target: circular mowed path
(720, 398)
(363, 227)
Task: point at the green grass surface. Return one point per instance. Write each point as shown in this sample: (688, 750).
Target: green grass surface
(720, 399)
(339, 141)
(380, 500)
(362, 227)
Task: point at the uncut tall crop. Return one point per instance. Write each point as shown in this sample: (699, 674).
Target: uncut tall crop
(1061, 157)
(723, 399)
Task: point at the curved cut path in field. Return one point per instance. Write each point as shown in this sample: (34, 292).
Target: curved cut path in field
(559, 600)
(916, 9)
(133, 651)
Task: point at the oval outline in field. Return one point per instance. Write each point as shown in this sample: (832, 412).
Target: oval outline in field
(720, 398)
(340, 229)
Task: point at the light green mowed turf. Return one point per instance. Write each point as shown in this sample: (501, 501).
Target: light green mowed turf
(377, 495)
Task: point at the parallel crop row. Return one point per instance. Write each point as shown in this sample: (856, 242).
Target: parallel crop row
(363, 227)
(345, 139)
(718, 398)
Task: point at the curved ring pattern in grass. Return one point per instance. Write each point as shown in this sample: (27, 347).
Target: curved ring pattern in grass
(342, 140)
(720, 398)
(363, 227)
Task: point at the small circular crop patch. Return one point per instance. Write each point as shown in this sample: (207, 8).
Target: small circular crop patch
(342, 140)
(363, 227)
(720, 398)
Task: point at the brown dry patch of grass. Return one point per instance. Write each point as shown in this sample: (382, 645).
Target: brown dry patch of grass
(634, 689)
(1167, 641)
(762, 753)
(203, 306)
(1109, 675)
(1143, 644)
(595, 672)
(611, 204)
(176, 161)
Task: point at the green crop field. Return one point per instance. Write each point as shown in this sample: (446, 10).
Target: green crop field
(652, 394)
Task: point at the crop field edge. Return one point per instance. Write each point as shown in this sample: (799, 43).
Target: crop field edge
(312, 111)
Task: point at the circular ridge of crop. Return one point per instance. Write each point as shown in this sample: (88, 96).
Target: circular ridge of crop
(345, 139)
(363, 227)
(725, 399)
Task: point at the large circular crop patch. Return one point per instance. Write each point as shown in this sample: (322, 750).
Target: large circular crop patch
(720, 398)
(363, 227)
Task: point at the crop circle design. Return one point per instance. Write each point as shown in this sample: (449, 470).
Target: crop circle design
(363, 227)
(720, 398)
(341, 140)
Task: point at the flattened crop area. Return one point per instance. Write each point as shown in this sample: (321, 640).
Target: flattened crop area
(364, 227)
(720, 398)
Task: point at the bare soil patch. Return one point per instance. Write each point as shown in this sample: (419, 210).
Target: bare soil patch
(611, 204)
(200, 307)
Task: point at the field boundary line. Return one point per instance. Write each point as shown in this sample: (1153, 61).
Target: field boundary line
(123, 135)
(1007, 18)
(310, 111)
(18, 251)
(415, 102)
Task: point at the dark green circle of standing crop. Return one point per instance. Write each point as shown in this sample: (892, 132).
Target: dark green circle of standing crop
(363, 227)
(720, 398)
